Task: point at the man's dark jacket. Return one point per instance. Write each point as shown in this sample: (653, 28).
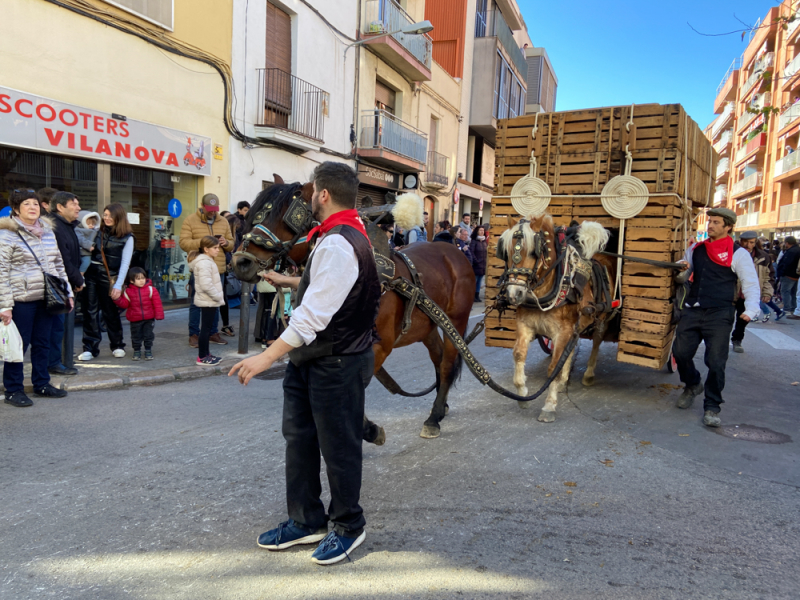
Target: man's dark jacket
(69, 248)
(787, 265)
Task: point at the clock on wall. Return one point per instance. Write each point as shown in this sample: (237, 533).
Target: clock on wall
(410, 182)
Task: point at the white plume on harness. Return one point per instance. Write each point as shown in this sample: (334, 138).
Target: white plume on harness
(407, 211)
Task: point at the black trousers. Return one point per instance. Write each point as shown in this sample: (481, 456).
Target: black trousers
(323, 411)
(712, 326)
(738, 330)
(95, 299)
(208, 315)
(142, 331)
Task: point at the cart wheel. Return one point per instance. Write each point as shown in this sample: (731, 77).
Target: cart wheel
(672, 366)
(546, 344)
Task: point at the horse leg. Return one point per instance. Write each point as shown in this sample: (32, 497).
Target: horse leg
(597, 339)
(548, 414)
(374, 433)
(436, 352)
(448, 369)
(524, 337)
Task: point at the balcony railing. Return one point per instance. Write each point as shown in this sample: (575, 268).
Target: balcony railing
(721, 195)
(791, 68)
(792, 27)
(790, 212)
(723, 141)
(762, 64)
(736, 64)
(383, 16)
(747, 220)
(750, 182)
(436, 171)
(288, 102)
(790, 115)
(497, 27)
(382, 130)
(723, 167)
(723, 119)
(787, 163)
(759, 141)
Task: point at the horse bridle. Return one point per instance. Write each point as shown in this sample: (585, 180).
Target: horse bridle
(522, 276)
(299, 220)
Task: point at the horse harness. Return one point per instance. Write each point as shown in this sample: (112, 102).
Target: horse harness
(298, 219)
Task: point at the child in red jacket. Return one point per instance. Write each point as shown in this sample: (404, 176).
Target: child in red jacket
(143, 305)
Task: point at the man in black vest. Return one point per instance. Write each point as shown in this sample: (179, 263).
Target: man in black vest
(329, 341)
(709, 311)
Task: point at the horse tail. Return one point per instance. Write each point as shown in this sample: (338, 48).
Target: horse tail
(407, 211)
(592, 238)
(455, 372)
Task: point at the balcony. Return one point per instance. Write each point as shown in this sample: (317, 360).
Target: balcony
(789, 116)
(748, 184)
(790, 212)
(723, 167)
(437, 170)
(723, 141)
(785, 166)
(747, 220)
(409, 54)
(762, 64)
(721, 195)
(291, 111)
(759, 142)
(790, 70)
(722, 120)
(726, 90)
(792, 27)
(388, 141)
(495, 26)
(759, 102)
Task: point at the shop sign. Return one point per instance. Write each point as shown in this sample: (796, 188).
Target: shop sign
(30, 121)
(375, 176)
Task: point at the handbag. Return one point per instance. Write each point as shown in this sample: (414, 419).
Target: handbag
(56, 290)
(112, 280)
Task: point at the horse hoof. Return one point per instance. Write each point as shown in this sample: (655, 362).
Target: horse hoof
(446, 409)
(547, 416)
(429, 432)
(588, 381)
(380, 439)
(524, 404)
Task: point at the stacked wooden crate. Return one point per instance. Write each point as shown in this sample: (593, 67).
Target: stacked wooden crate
(577, 153)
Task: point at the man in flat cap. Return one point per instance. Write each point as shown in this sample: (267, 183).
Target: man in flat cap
(766, 283)
(717, 267)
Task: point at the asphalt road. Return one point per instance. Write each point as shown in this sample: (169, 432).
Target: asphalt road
(160, 492)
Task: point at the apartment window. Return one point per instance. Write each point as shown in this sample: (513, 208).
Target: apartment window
(508, 93)
(433, 134)
(279, 39)
(481, 15)
(160, 12)
(385, 97)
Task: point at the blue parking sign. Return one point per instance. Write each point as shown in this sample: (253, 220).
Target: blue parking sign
(175, 208)
(6, 212)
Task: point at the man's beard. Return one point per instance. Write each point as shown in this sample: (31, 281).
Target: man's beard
(315, 208)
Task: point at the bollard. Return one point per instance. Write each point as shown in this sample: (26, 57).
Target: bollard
(244, 318)
(68, 342)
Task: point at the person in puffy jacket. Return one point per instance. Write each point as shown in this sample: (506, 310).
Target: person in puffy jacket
(208, 294)
(28, 247)
(478, 249)
(143, 307)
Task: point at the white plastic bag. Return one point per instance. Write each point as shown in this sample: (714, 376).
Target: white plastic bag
(10, 343)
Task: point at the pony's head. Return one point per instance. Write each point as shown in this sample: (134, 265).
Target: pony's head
(274, 232)
(527, 249)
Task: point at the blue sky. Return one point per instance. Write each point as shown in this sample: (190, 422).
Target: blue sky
(612, 52)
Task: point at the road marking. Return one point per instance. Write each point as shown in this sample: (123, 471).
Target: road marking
(776, 339)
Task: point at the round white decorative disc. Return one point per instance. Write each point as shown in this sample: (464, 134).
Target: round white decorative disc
(530, 196)
(624, 196)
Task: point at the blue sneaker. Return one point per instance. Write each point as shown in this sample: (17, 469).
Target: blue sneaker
(289, 534)
(336, 547)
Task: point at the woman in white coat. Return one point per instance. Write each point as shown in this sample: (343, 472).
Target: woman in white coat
(208, 294)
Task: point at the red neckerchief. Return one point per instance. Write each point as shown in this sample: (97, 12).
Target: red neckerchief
(720, 251)
(343, 217)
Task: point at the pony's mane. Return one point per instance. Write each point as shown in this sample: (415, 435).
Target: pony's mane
(280, 194)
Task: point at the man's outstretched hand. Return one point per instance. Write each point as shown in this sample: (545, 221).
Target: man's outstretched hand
(250, 367)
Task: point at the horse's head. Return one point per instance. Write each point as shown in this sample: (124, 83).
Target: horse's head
(527, 249)
(274, 233)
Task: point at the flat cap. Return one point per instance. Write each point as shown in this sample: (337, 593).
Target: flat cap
(748, 235)
(726, 213)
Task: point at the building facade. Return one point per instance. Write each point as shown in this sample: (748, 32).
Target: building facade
(125, 103)
(757, 129)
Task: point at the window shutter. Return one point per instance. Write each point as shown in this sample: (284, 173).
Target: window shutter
(279, 39)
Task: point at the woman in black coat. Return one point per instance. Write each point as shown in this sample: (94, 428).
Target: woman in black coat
(478, 249)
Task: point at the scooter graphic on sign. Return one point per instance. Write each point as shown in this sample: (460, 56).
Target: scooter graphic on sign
(195, 157)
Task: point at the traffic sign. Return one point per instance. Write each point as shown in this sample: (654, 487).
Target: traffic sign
(6, 212)
(175, 209)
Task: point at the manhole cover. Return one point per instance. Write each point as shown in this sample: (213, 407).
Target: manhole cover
(272, 374)
(751, 433)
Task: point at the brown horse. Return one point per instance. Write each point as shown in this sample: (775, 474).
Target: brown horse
(529, 249)
(446, 275)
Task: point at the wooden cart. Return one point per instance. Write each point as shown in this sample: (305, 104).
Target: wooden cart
(577, 153)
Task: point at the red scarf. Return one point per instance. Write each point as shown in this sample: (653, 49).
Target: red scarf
(343, 217)
(720, 251)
